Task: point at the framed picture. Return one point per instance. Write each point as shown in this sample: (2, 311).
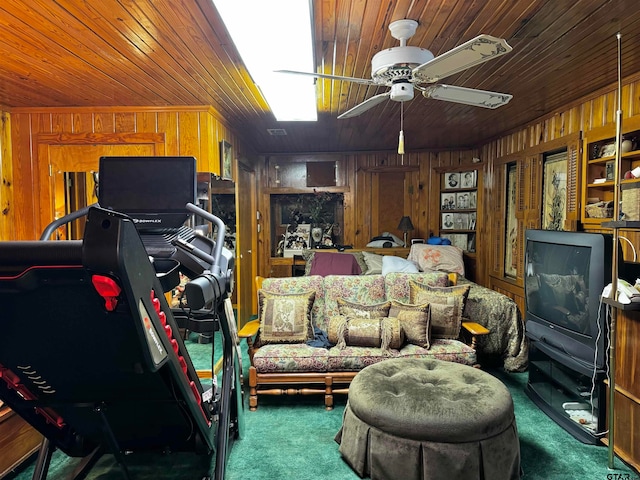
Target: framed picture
(511, 230)
(226, 161)
(468, 179)
(447, 201)
(447, 221)
(452, 180)
(462, 200)
(460, 240)
(473, 199)
(461, 221)
(297, 239)
(554, 191)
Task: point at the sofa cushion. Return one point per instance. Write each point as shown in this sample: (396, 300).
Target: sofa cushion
(354, 359)
(362, 289)
(285, 318)
(415, 321)
(396, 284)
(443, 349)
(296, 357)
(299, 285)
(354, 309)
(383, 332)
(447, 305)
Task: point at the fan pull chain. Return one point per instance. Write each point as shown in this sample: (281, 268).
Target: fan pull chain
(401, 137)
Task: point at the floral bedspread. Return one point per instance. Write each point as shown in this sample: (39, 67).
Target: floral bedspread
(501, 316)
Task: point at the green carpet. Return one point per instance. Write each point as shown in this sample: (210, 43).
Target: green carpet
(292, 438)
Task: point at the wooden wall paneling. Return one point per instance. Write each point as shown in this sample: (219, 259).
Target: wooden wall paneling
(168, 124)
(104, 122)
(7, 216)
(189, 139)
(125, 122)
(24, 204)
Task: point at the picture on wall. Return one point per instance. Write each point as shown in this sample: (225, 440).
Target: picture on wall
(447, 221)
(468, 179)
(459, 240)
(554, 191)
(452, 180)
(447, 201)
(226, 161)
(462, 200)
(511, 233)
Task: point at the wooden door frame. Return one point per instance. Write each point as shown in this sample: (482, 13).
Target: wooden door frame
(45, 141)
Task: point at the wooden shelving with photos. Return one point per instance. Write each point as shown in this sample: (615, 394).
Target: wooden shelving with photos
(458, 208)
(599, 166)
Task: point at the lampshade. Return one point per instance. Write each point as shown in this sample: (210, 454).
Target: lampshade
(405, 224)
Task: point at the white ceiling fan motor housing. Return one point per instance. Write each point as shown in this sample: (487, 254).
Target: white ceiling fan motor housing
(397, 63)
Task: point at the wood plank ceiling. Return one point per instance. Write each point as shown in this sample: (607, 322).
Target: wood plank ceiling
(177, 52)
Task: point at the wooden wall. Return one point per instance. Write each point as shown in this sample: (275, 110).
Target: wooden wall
(525, 148)
(36, 133)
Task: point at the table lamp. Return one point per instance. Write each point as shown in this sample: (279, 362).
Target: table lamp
(405, 226)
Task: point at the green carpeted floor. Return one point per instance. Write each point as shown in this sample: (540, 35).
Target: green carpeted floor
(292, 438)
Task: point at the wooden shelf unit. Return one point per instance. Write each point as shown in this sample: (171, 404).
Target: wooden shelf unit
(598, 161)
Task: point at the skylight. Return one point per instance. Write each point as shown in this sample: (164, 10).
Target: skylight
(275, 35)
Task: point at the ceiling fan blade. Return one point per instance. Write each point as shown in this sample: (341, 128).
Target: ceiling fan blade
(469, 54)
(366, 105)
(467, 96)
(363, 81)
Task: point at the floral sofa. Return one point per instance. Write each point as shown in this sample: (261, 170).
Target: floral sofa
(315, 366)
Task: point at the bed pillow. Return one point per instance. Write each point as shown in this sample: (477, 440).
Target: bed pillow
(308, 256)
(444, 258)
(285, 318)
(446, 306)
(397, 264)
(415, 321)
(373, 262)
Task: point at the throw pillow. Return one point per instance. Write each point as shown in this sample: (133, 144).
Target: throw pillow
(353, 309)
(397, 264)
(444, 258)
(308, 256)
(415, 321)
(383, 332)
(285, 318)
(374, 263)
(446, 305)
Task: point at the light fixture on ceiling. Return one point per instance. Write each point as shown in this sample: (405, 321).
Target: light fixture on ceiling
(270, 36)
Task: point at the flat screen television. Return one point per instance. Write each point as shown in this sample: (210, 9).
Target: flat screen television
(565, 273)
(153, 191)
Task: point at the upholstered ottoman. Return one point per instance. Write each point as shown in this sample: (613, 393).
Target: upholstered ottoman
(428, 419)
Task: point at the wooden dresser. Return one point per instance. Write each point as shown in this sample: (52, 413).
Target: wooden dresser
(18, 440)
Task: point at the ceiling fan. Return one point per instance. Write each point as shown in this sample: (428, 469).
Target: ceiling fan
(404, 69)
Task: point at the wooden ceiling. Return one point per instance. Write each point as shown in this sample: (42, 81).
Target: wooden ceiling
(177, 52)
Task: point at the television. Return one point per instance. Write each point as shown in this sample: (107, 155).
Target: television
(565, 273)
(153, 191)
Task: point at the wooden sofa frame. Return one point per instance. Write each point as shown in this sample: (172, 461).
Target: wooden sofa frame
(317, 383)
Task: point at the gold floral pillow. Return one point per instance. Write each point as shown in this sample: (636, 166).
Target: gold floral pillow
(446, 305)
(285, 318)
(352, 309)
(381, 332)
(415, 321)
